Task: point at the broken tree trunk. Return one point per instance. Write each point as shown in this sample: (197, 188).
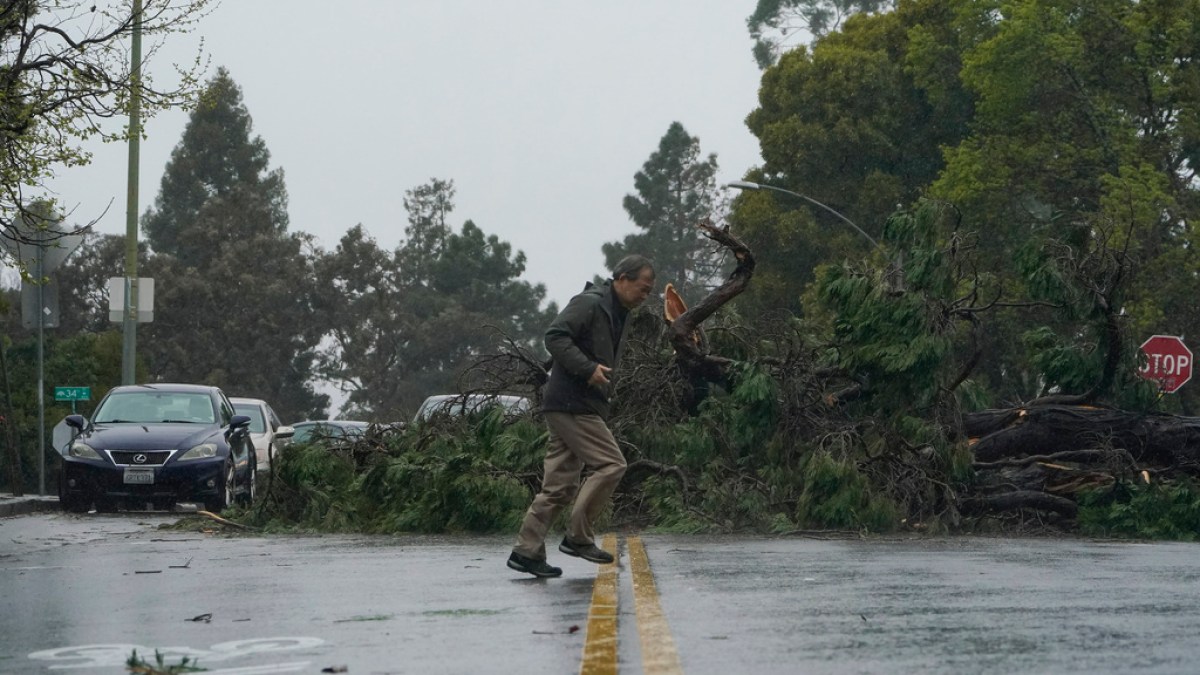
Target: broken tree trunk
(1149, 438)
(694, 359)
(1040, 457)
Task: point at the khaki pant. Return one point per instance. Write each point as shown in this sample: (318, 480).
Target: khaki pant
(575, 441)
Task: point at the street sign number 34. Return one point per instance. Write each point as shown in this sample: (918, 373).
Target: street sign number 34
(1168, 361)
(72, 393)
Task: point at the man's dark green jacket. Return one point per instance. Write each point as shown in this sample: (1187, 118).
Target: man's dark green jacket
(584, 334)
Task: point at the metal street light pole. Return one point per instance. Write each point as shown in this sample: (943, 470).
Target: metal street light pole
(747, 185)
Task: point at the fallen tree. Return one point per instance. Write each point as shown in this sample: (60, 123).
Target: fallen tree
(849, 420)
(1044, 458)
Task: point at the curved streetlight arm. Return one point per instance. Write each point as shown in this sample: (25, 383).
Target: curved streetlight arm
(747, 185)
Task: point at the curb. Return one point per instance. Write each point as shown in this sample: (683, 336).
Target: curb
(20, 506)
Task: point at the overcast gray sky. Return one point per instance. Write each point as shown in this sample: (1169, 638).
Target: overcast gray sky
(541, 112)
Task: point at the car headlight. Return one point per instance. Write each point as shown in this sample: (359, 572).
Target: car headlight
(83, 451)
(202, 451)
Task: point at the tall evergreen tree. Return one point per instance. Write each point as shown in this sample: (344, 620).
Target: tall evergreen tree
(234, 289)
(676, 189)
(217, 162)
(428, 207)
(405, 324)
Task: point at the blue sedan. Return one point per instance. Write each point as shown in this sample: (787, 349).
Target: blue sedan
(159, 444)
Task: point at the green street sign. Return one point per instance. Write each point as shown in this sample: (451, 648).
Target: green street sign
(72, 393)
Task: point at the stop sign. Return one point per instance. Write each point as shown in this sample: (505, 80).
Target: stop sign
(1168, 361)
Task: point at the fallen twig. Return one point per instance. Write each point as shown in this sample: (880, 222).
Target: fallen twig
(223, 521)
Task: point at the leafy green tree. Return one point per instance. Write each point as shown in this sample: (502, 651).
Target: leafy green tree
(1064, 132)
(234, 290)
(1085, 135)
(359, 295)
(406, 323)
(66, 71)
(847, 123)
(777, 23)
(676, 189)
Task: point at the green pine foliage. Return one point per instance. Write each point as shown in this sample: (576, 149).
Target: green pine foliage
(763, 452)
(752, 472)
(837, 495)
(479, 474)
(1160, 510)
(661, 497)
(469, 475)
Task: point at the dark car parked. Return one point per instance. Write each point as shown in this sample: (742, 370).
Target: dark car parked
(162, 444)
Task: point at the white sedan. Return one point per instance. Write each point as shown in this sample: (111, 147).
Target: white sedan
(266, 431)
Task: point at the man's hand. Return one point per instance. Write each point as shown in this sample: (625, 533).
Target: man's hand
(599, 376)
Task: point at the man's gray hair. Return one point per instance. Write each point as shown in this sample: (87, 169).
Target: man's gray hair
(631, 266)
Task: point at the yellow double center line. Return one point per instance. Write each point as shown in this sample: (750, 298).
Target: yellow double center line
(600, 648)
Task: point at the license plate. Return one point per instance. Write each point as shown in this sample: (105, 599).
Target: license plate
(139, 476)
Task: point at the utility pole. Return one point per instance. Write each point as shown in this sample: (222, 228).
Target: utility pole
(129, 324)
(41, 360)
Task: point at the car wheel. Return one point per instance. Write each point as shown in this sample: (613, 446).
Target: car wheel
(225, 487)
(251, 491)
(72, 503)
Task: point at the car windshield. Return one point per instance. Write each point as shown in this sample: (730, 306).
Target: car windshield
(302, 433)
(257, 424)
(156, 406)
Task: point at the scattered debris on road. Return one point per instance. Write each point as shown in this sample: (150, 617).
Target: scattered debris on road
(570, 631)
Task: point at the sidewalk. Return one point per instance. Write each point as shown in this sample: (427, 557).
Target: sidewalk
(27, 503)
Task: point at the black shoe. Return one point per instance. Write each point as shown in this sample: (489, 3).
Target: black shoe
(538, 568)
(589, 552)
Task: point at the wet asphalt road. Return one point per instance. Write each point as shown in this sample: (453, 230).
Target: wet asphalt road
(79, 593)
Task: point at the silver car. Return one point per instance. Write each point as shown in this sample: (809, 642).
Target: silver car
(469, 404)
(317, 431)
(266, 431)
